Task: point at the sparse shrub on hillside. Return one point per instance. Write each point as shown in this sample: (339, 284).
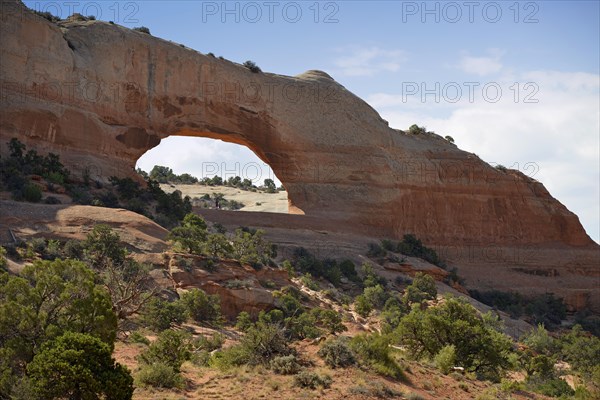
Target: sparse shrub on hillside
(261, 343)
(47, 15)
(142, 29)
(312, 380)
(171, 347)
(285, 365)
(449, 138)
(159, 375)
(337, 353)
(417, 130)
(243, 322)
(362, 306)
(137, 337)
(374, 350)
(251, 65)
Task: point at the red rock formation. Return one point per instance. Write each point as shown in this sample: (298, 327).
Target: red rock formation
(101, 95)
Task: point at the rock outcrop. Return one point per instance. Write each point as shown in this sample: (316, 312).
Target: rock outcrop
(101, 95)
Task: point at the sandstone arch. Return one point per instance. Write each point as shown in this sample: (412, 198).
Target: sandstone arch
(101, 95)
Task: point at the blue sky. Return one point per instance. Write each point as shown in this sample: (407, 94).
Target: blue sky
(546, 52)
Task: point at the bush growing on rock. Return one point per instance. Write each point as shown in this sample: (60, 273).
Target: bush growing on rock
(251, 65)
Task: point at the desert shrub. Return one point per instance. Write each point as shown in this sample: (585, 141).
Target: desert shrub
(159, 375)
(191, 235)
(261, 343)
(158, 314)
(285, 365)
(337, 353)
(449, 138)
(243, 322)
(202, 307)
(348, 269)
(3, 262)
(331, 320)
(312, 380)
(375, 250)
(251, 65)
(362, 306)
(416, 130)
(209, 343)
(308, 281)
(480, 347)
(445, 359)
(78, 366)
(171, 347)
(32, 193)
(142, 29)
(374, 351)
(414, 396)
(137, 337)
(582, 351)
(553, 387)
(422, 288)
(376, 295)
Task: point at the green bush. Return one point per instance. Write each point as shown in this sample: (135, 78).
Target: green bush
(417, 130)
(78, 366)
(251, 65)
(142, 29)
(374, 350)
(243, 322)
(312, 380)
(445, 359)
(137, 337)
(479, 345)
(285, 365)
(171, 347)
(159, 314)
(422, 288)
(337, 353)
(159, 375)
(202, 307)
(261, 343)
(32, 193)
(362, 306)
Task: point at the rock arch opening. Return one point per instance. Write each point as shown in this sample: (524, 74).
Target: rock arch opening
(204, 167)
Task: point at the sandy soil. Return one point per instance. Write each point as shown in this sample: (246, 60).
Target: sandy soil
(253, 201)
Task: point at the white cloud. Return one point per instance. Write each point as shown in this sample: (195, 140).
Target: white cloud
(559, 133)
(482, 66)
(367, 61)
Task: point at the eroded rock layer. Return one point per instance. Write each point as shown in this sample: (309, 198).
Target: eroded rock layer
(101, 95)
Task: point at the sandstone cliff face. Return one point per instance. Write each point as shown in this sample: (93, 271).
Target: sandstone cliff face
(101, 95)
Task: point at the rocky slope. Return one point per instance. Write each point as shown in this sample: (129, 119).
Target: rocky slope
(101, 95)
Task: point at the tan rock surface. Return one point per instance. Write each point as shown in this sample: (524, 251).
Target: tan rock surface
(101, 95)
